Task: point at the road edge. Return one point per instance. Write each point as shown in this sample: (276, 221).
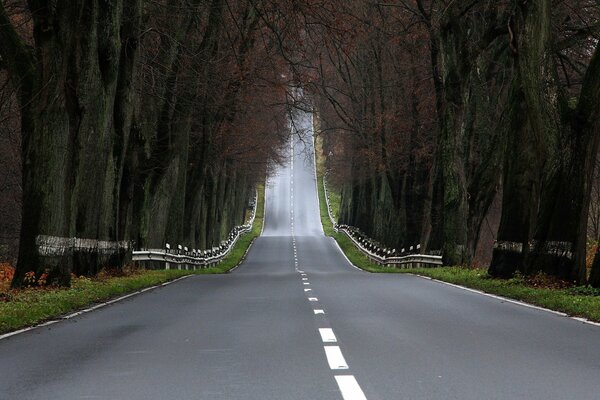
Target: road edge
(92, 308)
(507, 299)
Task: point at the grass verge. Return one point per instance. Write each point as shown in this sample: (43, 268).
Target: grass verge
(236, 255)
(567, 300)
(580, 302)
(27, 307)
(355, 256)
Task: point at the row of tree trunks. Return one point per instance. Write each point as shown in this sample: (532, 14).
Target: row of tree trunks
(395, 195)
(516, 99)
(68, 89)
(469, 56)
(550, 159)
(128, 110)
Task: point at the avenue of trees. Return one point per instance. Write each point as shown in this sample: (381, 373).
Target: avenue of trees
(137, 120)
(466, 126)
(437, 112)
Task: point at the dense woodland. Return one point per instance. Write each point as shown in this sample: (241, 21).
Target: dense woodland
(146, 121)
(469, 127)
(454, 119)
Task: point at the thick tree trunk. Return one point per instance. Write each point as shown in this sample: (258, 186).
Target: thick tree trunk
(455, 69)
(484, 154)
(526, 154)
(520, 191)
(560, 237)
(550, 160)
(125, 106)
(466, 171)
(67, 128)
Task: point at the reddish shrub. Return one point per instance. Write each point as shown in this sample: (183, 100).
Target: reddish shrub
(7, 272)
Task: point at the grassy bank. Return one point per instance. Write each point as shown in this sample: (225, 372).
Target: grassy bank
(574, 301)
(27, 307)
(581, 302)
(354, 255)
(236, 255)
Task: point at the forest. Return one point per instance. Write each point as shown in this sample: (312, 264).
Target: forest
(469, 127)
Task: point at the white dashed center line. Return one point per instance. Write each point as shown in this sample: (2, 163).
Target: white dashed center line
(327, 335)
(335, 358)
(349, 387)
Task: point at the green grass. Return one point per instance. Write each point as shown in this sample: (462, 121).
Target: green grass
(355, 256)
(568, 301)
(236, 255)
(579, 302)
(334, 201)
(352, 252)
(27, 307)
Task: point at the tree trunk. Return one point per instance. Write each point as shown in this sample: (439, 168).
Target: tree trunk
(526, 154)
(560, 237)
(67, 127)
(466, 170)
(550, 159)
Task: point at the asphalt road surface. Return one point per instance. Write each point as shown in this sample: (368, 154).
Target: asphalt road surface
(297, 321)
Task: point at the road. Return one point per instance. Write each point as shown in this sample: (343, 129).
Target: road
(297, 321)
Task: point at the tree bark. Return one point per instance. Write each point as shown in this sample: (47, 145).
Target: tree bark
(466, 172)
(526, 155)
(560, 237)
(550, 162)
(68, 102)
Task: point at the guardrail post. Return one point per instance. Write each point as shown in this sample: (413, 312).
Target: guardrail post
(167, 249)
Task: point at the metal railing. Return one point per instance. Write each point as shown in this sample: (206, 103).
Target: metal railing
(191, 259)
(378, 253)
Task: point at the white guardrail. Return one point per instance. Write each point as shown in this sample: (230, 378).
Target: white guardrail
(375, 253)
(192, 259)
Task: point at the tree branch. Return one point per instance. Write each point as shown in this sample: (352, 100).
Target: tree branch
(578, 36)
(588, 107)
(15, 55)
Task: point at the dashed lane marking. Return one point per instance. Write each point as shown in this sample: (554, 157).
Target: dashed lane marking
(327, 335)
(349, 387)
(335, 359)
